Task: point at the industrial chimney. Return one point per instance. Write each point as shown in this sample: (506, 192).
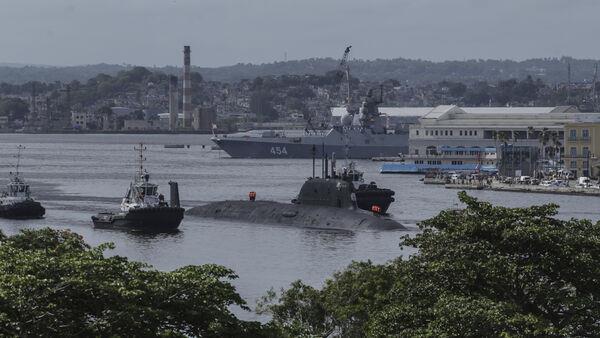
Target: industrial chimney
(173, 103)
(187, 89)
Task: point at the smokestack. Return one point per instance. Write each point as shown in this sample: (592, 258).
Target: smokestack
(174, 194)
(173, 103)
(187, 88)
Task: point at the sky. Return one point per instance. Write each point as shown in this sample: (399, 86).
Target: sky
(226, 32)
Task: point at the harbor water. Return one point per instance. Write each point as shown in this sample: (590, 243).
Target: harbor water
(77, 175)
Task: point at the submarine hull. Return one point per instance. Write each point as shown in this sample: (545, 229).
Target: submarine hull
(27, 209)
(152, 219)
(299, 215)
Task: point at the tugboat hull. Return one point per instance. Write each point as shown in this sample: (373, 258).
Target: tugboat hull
(22, 210)
(153, 219)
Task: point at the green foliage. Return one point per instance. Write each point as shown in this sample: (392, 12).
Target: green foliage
(13, 108)
(53, 284)
(261, 105)
(480, 271)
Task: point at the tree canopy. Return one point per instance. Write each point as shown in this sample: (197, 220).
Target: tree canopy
(53, 284)
(481, 271)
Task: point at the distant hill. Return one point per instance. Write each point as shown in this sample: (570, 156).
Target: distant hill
(550, 70)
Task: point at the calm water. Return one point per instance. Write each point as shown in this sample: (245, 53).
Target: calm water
(75, 176)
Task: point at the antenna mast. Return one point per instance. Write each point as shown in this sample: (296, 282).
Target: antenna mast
(569, 83)
(19, 147)
(141, 157)
(594, 94)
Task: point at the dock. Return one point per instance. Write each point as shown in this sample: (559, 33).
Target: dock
(498, 186)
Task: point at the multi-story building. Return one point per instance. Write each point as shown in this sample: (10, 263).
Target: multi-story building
(490, 127)
(582, 148)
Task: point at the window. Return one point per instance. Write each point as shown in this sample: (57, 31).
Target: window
(573, 152)
(573, 134)
(416, 151)
(573, 164)
(426, 132)
(586, 164)
(417, 132)
(475, 132)
(585, 151)
(450, 132)
(470, 133)
(446, 133)
(460, 133)
(436, 133)
(585, 133)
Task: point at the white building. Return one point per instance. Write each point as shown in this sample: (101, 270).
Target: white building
(488, 126)
(83, 120)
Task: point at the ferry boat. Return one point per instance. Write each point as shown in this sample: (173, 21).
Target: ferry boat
(16, 202)
(143, 207)
(445, 159)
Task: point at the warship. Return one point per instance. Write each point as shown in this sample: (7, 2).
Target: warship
(16, 202)
(361, 135)
(142, 207)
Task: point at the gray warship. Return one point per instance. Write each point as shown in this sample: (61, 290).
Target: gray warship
(360, 135)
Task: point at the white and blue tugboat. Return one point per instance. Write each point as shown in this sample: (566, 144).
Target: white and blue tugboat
(143, 207)
(16, 202)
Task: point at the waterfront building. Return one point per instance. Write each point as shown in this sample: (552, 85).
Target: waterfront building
(83, 120)
(489, 126)
(582, 148)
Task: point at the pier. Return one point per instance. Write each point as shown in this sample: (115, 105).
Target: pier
(527, 188)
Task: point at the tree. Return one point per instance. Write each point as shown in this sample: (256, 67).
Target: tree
(13, 108)
(260, 104)
(53, 284)
(480, 271)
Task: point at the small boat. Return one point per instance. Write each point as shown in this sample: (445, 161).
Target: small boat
(143, 207)
(16, 202)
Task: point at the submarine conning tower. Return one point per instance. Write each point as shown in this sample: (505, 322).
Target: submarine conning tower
(326, 192)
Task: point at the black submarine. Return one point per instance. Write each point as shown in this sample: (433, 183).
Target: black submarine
(337, 200)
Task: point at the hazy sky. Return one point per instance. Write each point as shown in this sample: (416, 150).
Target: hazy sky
(224, 32)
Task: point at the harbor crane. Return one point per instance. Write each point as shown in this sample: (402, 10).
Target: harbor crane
(344, 70)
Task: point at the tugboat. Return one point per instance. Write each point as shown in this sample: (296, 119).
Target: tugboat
(16, 202)
(344, 189)
(143, 208)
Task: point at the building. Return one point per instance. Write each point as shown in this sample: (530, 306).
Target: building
(582, 148)
(139, 125)
(489, 126)
(204, 118)
(84, 121)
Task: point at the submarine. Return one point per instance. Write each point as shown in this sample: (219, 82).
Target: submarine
(338, 200)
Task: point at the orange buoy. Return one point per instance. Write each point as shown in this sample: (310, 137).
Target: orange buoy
(252, 195)
(376, 209)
